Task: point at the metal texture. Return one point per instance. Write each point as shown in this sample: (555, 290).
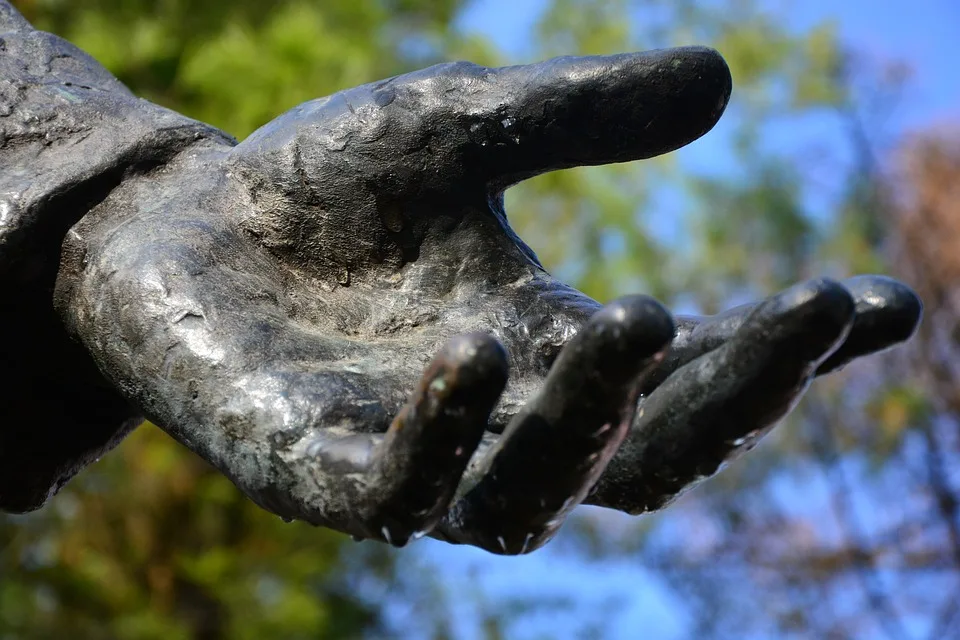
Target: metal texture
(337, 315)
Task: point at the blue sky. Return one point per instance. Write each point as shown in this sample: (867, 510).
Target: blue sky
(924, 35)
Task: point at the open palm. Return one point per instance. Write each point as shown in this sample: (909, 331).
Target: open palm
(337, 315)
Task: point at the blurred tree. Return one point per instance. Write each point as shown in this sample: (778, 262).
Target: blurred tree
(189, 55)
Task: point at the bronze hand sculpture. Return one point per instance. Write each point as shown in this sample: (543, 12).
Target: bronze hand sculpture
(337, 315)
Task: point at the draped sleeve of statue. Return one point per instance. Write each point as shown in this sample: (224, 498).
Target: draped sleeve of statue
(69, 134)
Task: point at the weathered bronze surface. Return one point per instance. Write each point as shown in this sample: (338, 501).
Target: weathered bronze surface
(337, 315)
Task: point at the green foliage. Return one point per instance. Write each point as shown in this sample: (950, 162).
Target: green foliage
(239, 64)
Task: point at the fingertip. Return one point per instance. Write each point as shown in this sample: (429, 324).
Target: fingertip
(478, 356)
(470, 370)
(818, 296)
(707, 85)
(821, 301)
(648, 102)
(886, 305)
(644, 317)
(620, 340)
(888, 312)
(635, 325)
(812, 317)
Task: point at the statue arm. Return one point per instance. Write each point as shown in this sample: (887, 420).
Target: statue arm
(70, 133)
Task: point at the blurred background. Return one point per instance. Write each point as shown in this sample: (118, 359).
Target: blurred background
(839, 153)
